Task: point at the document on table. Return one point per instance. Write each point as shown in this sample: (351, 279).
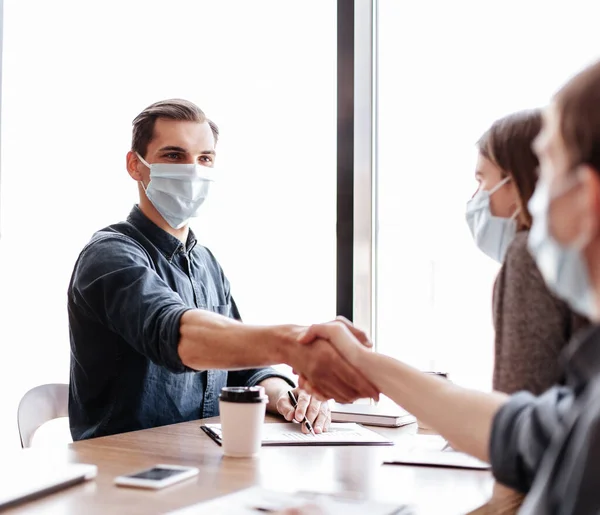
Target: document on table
(291, 434)
(428, 450)
(255, 500)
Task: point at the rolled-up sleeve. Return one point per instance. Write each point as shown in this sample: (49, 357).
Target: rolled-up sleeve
(115, 284)
(253, 376)
(250, 376)
(521, 433)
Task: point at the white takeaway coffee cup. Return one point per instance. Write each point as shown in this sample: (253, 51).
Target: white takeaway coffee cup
(242, 410)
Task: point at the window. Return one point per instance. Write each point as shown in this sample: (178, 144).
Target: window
(75, 74)
(446, 71)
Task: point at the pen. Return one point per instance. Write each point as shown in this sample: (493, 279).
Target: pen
(305, 421)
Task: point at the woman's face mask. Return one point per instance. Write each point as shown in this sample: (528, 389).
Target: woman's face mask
(492, 234)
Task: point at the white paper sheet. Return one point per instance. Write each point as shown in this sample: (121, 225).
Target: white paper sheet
(338, 434)
(428, 450)
(256, 500)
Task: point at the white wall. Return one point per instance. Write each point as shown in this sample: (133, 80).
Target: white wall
(75, 74)
(447, 71)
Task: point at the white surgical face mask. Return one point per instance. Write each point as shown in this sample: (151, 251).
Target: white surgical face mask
(492, 234)
(177, 190)
(562, 266)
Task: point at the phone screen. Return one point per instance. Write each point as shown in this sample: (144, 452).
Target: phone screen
(156, 474)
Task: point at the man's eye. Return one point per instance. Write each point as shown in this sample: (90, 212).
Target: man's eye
(206, 159)
(172, 156)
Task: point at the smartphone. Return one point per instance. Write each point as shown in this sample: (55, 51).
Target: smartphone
(157, 477)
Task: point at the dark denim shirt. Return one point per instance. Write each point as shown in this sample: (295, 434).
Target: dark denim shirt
(130, 286)
(549, 446)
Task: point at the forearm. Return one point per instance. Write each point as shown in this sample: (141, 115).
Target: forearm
(211, 341)
(464, 417)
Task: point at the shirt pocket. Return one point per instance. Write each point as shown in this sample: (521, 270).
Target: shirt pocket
(222, 309)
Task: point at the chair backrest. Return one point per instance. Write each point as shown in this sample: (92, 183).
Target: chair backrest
(40, 405)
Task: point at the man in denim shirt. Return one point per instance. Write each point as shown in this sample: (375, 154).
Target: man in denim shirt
(155, 332)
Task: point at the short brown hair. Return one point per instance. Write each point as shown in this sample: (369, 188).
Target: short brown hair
(508, 144)
(173, 109)
(578, 104)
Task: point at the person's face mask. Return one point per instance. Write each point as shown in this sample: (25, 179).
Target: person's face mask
(563, 266)
(177, 190)
(492, 234)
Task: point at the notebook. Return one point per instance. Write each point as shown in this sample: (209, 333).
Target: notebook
(428, 450)
(33, 475)
(252, 501)
(291, 434)
(389, 416)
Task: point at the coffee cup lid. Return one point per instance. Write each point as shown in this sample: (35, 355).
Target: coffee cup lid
(245, 394)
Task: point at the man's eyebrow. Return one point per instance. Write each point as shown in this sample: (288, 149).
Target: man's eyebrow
(172, 148)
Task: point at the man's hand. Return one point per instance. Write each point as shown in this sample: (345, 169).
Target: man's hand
(330, 375)
(348, 340)
(317, 412)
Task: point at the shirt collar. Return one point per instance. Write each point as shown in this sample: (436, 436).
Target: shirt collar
(582, 357)
(165, 242)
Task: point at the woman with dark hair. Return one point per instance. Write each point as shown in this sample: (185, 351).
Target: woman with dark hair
(532, 325)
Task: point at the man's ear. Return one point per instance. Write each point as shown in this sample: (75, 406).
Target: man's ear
(590, 198)
(132, 163)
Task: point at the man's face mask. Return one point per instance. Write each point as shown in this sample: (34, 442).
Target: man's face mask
(562, 265)
(177, 190)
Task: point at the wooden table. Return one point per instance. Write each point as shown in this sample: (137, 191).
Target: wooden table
(354, 469)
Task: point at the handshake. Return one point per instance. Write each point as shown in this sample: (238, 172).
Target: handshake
(327, 358)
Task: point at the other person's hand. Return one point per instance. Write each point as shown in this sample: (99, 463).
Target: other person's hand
(347, 339)
(323, 365)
